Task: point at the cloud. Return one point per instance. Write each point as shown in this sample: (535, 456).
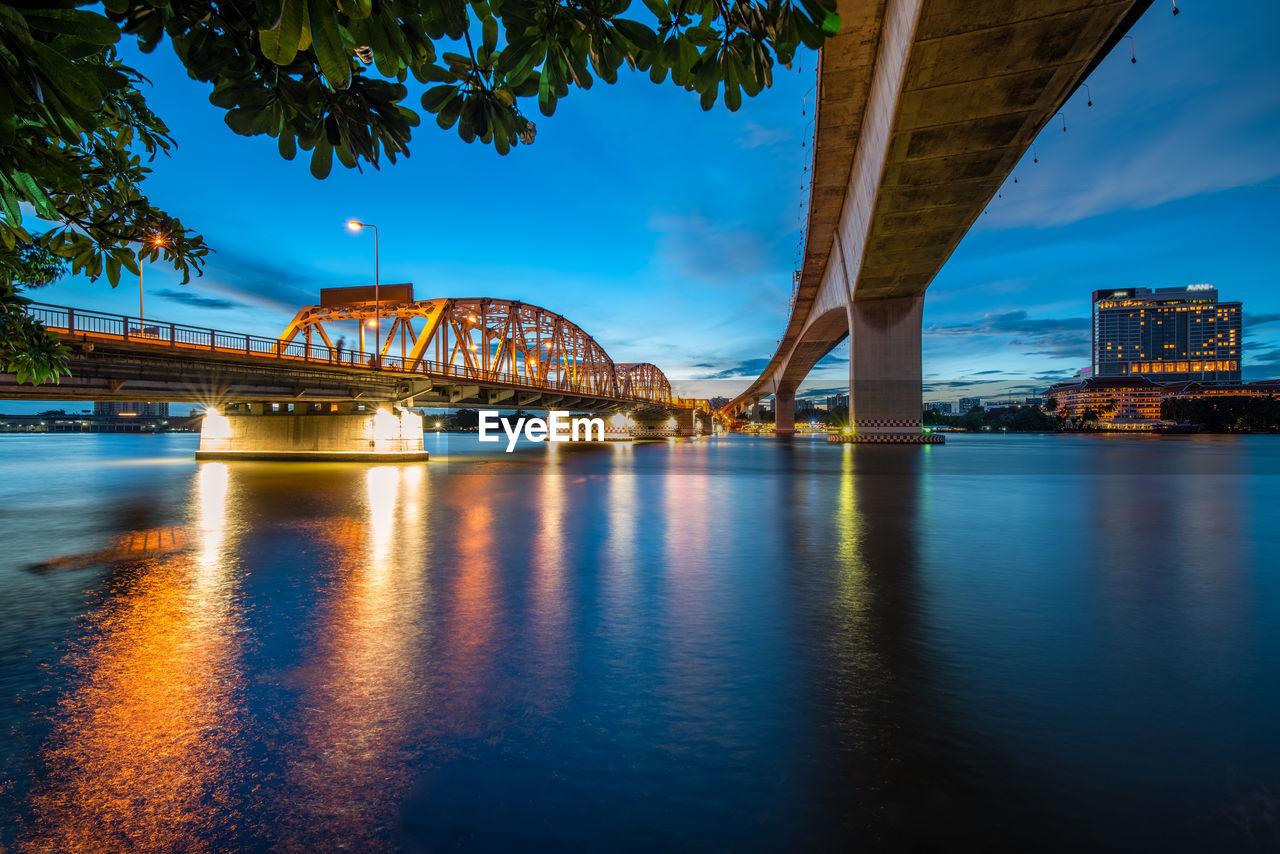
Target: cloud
(1269, 358)
(1212, 144)
(755, 136)
(200, 301)
(1252, 320)
(1057, 338)
(1053, 376)
(823, 392)
(1014, 323)
(749, 368)
(720, 252)
(980, 373)
(255, 279)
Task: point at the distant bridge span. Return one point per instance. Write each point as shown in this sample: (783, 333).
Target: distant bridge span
(924, 107)
(440, 352)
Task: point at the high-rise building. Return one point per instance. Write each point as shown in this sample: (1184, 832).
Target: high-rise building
(967, 403)
(142, 410)
(1166, 334)
(837, 400)
(803, 404)
(943, 407)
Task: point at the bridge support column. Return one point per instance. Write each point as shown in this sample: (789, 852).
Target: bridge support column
(885, 372)
(686, 422)
(784, 413)
(681, 422)
(379, 434)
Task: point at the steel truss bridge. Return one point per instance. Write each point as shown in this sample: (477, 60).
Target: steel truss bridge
(437, 352)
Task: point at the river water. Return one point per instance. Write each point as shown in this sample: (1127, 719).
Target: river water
(1013, 642)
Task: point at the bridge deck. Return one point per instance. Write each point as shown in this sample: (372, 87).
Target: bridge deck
(117, 357)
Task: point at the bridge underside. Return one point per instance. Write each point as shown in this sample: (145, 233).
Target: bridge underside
(924, 108)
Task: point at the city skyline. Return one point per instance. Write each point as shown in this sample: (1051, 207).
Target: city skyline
(1163, 181)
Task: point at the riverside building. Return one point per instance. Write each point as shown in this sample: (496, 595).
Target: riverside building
(1166, 335)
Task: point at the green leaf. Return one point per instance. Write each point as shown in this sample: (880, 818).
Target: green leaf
(489, 32)
(659, 9)
(524, 64)
(8, 127)
(288, 146)
(636, 33)
(281, 43)
(708, 99)
(450, 112)
(322, 159)
(546, 92)
(356, 8)
(11, 20)
(248, 121)
(331, 54)
(78, 23)
(825, 19)
(435, 74)
(436, 97)
(78, 88)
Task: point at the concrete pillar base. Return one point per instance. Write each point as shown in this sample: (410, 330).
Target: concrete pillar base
(886, 439)
(370, 436)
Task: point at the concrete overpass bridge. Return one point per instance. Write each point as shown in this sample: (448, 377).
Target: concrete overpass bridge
(924, 107)
(321, 394)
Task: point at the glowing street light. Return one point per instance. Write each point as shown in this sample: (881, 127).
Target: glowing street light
(158, 241)
(356, 225)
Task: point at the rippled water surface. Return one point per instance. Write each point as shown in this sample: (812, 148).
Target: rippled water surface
(1021, 643)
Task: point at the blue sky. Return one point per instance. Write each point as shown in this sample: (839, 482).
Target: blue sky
(669, 233)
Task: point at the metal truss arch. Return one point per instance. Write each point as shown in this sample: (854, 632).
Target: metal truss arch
(479, 339)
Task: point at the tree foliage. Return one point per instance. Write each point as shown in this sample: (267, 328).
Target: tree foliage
(1225, 414)
(1011, 419)
(324, 76)
(329, 77)
(73, 133)
(28, 350)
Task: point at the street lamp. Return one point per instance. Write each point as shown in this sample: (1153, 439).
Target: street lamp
(356, 225)
(157, 240)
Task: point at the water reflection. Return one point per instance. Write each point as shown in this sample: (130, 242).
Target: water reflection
(367, 693)
(144, 750)
(707, 645)
(549, 603)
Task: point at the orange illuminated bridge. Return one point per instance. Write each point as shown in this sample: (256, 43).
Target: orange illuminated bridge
(446, 351)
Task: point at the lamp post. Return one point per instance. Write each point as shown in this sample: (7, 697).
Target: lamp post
(156, 241)
(356, 225)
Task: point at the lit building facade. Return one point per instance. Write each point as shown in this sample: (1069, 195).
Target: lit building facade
(837, 400)
(942, 407)
(967, 403)
(1166, 334)
(129, 408)
(1108, 398)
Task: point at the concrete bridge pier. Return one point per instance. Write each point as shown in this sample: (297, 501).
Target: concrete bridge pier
(784, 413)
(687, 424)
(664, 425)
(281, 431)
(885, 372)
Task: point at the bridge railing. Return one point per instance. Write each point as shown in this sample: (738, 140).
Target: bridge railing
(75, 321)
